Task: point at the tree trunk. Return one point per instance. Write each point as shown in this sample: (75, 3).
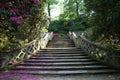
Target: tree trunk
(49, 13)
(77, 5)
(49, 10)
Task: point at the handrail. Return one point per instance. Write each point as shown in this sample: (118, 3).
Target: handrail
(107, 56)
(94, 44)
(74, 37)
(44, 41)
(21, 54)
(18, 55)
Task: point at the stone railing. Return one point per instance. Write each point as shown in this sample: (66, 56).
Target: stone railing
(45, 39)
(75, 38)
(106, 56)
(24, 53)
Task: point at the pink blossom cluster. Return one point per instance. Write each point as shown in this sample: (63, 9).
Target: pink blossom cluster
(22, 6)
(55, 34)
(7, 4)
(35, 1)
(16, 20)
(15, 13)
(14, 10)
(26, 14)
(11, 62)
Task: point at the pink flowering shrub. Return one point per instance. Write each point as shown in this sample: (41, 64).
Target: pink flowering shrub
(17, 21)
(55, 34)
(14, 10)
(17, 8)
(22, 6)
(35, 1)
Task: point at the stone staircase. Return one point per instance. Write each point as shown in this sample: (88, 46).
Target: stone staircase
(61, 57)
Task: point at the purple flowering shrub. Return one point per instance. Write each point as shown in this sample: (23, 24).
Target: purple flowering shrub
(18, 19)
(16, 10)
(35, 1)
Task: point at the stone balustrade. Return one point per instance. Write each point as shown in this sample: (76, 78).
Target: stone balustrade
(24, 53)
(75, 38)
(107, 56)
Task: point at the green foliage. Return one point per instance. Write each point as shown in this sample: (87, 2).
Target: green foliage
(104, 18)
(88, 33)
(69, 9)
(72, 18)
(58, 26)
(77, 24)
(51, 2)
(72, 9)
(14, 34)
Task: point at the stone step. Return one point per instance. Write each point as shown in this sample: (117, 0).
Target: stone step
(59, 63)
(71, 72)
(61, 41)
(66, 48)
(93, 67)
(65, 60)
(59, 60)
(61, 44)
(67, 40)
(63, 52)
(58, 50)
(60, 55)
(71, 57)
